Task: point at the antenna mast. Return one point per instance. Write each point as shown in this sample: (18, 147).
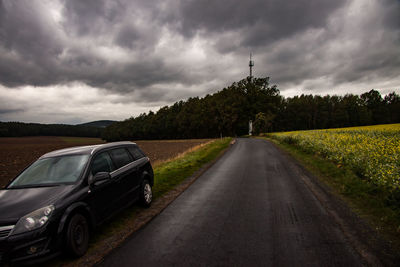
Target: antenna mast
(251, 64)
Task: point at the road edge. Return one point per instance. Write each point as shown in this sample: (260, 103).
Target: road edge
(360, 236)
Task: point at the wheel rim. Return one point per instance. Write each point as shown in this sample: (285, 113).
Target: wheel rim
(147, 193)
(78, 235)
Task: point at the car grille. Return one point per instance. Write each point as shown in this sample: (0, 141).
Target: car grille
(5, 230)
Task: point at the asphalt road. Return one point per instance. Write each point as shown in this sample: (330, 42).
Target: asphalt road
(250, 209)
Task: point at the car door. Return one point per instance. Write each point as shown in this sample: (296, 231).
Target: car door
(124, 175)
(103, 196)
(140, 161)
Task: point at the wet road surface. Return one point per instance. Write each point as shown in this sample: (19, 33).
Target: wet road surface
(249, 209)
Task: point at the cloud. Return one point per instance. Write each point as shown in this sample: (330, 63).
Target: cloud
(354, 51)
(259, 22)
(153, 53)
(91, 17)
(71, 104)
(11, 110)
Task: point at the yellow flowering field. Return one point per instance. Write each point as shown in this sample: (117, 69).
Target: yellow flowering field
(372, 152)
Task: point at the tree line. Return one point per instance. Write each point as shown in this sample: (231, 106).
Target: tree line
(307, 112)
(228, 112)
(17, 129)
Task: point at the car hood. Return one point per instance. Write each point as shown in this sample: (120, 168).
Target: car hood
(15, 203)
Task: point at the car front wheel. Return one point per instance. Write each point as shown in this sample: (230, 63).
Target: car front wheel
(146, 193)
(77, 236)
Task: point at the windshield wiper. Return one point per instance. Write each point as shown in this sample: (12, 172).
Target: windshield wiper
(33, 186)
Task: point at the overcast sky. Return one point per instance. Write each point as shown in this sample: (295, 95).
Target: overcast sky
(73, 61)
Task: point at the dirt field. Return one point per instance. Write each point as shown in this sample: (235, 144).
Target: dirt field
(16, 153)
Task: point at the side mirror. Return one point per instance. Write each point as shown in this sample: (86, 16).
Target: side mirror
(99, 177)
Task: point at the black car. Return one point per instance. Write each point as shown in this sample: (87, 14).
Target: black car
(53, 204)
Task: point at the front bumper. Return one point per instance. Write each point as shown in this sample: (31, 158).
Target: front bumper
(28, 247)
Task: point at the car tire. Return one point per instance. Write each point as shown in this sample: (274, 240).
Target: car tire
(146, 194)
(77, 235)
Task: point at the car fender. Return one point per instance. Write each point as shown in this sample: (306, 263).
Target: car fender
(148, 176)
(70, 210)
(148, 172)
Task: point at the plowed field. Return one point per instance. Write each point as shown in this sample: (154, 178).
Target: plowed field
(16, 153)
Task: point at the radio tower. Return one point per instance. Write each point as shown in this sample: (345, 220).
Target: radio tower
(251, 64)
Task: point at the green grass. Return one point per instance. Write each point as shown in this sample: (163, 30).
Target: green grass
(378, 206)
(169, 174)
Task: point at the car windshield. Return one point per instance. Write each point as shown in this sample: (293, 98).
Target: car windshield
(51, 171)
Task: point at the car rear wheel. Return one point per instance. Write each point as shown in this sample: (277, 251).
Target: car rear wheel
(77, 238)
(146, 193)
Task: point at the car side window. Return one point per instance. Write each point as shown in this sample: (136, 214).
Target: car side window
(121, 157)
(136, 152)
(102, 163)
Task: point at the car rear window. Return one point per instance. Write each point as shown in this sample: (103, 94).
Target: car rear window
(121, 157)
(136, 152)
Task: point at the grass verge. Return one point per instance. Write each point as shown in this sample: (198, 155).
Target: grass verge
(169, 181)
(367, 200)
(169, 174)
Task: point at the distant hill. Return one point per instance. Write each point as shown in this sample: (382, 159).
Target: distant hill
(98, 124)
(15, 129)
(90, 129)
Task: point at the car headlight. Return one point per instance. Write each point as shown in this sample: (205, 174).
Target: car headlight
(33, 220)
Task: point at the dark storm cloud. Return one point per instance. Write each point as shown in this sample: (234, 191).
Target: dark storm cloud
(140, 46)
(124, 78)
(378, 53)
(260, 22)
(24, 33)
(27, 48)
(11, 110)
(128, 37)
(85, 17)
(31, 48)
(382, 64)
(35, 49)
(114, 20)
(92, 16)
(392, 11)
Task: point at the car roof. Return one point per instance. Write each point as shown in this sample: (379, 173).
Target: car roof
(84, 149)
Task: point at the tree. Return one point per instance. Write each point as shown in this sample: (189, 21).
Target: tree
(375, 104)
(262, 122)
(392, 101)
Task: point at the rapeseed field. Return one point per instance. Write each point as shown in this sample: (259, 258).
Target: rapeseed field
(372, 152)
